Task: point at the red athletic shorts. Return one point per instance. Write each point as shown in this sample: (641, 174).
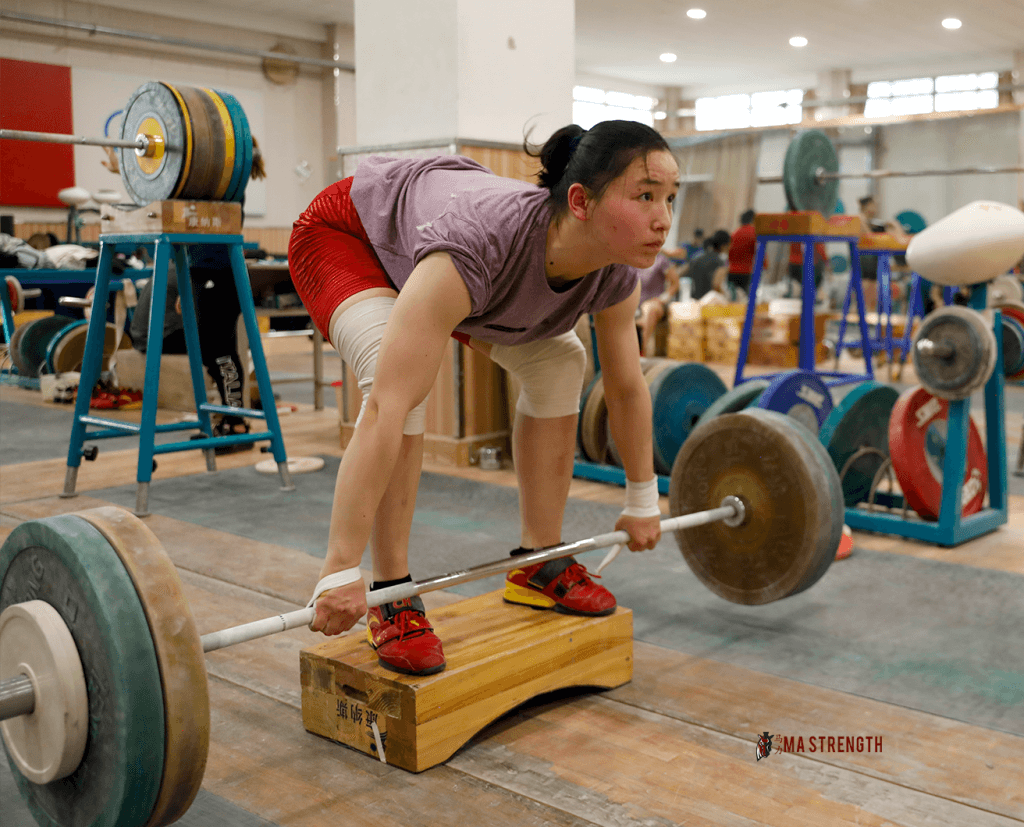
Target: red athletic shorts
(330, 257)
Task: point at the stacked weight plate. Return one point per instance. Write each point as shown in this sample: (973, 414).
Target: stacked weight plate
(207, 147)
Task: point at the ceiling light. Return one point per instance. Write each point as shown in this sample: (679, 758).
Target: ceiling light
(798, 41)
(697, 14)
(668, 57)
(951, 23)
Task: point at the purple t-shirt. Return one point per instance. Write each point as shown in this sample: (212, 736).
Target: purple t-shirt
(652, 280)
(494, 229)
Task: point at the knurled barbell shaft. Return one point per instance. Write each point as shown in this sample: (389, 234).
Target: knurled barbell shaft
(303, 617)
(822, 175)
(16, 697)
(54, 138)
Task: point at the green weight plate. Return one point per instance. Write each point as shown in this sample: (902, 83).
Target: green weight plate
(55, 344)
(742, 396)
(793, 520)
(810, 151)
(911, 221)
(679, 395)
(67, 563)
(36, 339)
(859, 420)
(243, 148)
(156, 101)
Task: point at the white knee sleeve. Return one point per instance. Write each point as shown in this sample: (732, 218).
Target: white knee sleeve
(357, 335)
(550, 373)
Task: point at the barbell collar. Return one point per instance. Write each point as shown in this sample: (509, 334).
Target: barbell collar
(139, 144)
(303, 617)
(17, 697)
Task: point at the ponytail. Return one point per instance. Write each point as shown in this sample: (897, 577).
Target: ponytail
(593, 158)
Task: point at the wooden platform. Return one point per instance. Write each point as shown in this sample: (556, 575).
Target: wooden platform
(499, 656)
(673, 746)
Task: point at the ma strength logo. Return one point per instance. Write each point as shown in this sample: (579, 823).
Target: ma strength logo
(768, 743)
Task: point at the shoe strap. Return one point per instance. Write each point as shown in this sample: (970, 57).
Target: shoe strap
(396, 607)
(551, 570)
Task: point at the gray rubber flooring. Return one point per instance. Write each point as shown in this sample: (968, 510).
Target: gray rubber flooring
(926, 635)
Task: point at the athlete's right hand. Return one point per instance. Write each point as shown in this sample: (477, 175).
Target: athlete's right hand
(338, 610)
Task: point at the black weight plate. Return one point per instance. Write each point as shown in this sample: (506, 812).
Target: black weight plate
(204, 173)
(34, 341)
(1013, 345)
(156, 101)
(808, 152)
(953, 376)
(68, 563)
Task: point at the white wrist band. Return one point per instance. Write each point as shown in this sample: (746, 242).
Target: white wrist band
(333, 581)
(642, 499)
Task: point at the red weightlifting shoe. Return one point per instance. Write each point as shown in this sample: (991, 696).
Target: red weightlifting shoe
(403, 638)
(562, 585)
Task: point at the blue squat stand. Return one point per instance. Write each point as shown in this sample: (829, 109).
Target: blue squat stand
(164, 244)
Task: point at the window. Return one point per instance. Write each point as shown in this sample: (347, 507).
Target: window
(742, 111)
(946, 93)
(590, 106)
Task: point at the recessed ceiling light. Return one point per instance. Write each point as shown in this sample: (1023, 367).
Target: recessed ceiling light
(951, 23)
(668, 57)
(697, 14)
(798, 41)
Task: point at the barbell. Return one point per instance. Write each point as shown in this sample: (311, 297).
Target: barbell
(811, 176)
(103, 695)
(176, 142)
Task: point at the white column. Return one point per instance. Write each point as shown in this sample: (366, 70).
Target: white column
(832, 85)
(1018, 97)
(468, 69)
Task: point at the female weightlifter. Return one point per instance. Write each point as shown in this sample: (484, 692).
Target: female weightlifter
(392, 262)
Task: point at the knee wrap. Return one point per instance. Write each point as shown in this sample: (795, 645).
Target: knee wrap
(357, 335)
(550, 373)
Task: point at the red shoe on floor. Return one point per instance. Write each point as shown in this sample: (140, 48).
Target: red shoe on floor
(403, 638)
(562, 585)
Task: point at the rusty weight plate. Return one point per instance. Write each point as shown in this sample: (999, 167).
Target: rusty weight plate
(793, 521)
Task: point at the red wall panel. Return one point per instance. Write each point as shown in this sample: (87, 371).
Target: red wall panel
(35, 97)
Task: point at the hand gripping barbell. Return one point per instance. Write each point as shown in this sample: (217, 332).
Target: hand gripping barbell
(103, 692)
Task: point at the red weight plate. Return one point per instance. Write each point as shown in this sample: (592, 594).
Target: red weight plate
(917, 447)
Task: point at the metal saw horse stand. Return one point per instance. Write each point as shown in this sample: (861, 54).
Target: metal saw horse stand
(92, 361)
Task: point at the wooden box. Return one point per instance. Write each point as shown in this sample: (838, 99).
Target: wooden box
(499, 656)
(466, 407)
(218, 217)
(882, 242)
(807, 223)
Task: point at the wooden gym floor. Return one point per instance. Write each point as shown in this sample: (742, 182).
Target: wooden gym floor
(675, 746)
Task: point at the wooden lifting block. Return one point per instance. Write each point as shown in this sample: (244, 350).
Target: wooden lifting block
(499, 656)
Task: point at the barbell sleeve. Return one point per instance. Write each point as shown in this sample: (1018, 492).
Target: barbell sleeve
(54, 138)
(17, 697)
(941, 350)
(730, 511)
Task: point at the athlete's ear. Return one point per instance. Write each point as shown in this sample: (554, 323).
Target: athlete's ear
(580, 202)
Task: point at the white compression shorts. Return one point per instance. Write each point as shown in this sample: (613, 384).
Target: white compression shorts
(357, 335)
(550, 373)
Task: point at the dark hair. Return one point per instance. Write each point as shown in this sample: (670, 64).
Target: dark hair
(867, 199)
(592, 157)
(747, 217)
(719, 239)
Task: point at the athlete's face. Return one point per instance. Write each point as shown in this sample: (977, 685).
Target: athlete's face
(633, 216)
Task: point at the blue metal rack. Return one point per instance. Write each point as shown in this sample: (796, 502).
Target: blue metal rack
(164, 244)
(952, 528)
(807, 336)
(883, 340)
